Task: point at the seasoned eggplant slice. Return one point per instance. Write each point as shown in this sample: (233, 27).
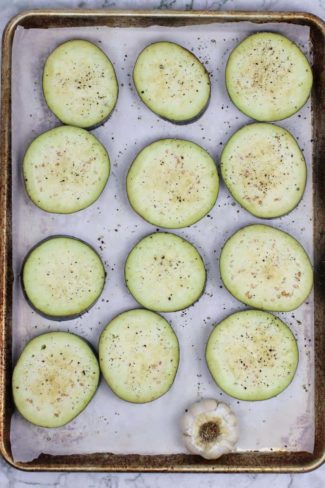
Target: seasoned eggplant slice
(55, 378)
(139, 355)
(79, 84)
(62, 277)
(65, 170)
(165, 272)
(252, 355)
(264, 170)
(266, 268)
(268, 77)
(172, 183)
(172, 82)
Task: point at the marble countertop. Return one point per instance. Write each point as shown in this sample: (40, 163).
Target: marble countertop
(12, 478)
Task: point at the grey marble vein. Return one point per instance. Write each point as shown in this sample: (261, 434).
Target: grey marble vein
(12, 478)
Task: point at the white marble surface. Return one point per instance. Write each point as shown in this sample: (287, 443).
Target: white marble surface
(11, 478)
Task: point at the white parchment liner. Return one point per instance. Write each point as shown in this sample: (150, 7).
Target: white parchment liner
(110, 424)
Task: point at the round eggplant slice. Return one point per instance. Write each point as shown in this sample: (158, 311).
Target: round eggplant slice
(268, 77)
(55, 378)
(65, 170)
(172, 82)
(266, 268)
(62, 277)
(264, 170)
(165, 273)
(172, 183)
(79, 84)
(139, 355)
(252, 355)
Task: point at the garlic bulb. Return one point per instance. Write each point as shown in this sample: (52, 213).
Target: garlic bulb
(210, 429)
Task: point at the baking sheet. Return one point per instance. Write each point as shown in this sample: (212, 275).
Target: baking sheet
(110, 424)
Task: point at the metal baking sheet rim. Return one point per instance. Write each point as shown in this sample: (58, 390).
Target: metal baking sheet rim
(254, 461)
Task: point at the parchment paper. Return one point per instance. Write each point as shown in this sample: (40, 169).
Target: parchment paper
(110, 424)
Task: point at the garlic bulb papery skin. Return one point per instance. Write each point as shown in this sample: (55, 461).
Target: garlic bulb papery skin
(210, 429)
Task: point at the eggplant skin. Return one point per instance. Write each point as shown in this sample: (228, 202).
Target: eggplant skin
(188, 121)
(95, 126)
(55, 317)
(176, 122)
(102, 122)
(183, 122)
